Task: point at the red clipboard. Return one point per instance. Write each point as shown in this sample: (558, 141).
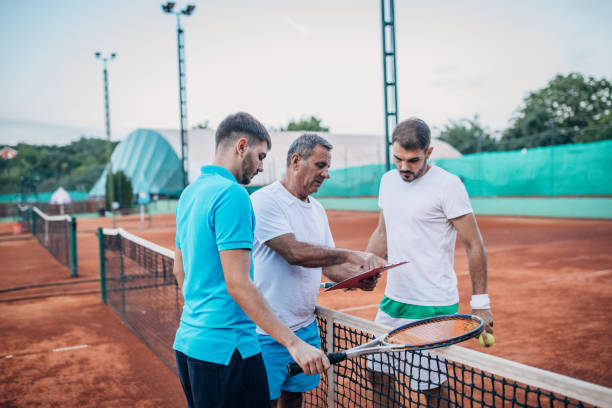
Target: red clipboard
(353, 281)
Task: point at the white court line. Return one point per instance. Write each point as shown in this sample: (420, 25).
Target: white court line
(55, 350)
(80, 346)
(350, 309)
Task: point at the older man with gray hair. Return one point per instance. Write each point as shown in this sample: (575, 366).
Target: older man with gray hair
(293, 246)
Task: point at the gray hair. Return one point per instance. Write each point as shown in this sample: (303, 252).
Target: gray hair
(305, 144)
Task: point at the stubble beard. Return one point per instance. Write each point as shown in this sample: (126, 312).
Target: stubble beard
(247, 171)
(417, 174)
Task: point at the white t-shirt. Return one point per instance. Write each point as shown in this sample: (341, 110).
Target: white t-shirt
(290, 290)
(417, 219)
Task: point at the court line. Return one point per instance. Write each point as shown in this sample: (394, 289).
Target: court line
(55, 350)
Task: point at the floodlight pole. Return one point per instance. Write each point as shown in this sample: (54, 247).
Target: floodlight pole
(180, 39)
(387, 12)
(107, 123)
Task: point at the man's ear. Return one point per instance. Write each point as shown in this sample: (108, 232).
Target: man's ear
(295, 158)
(428, 154)
(241, 146)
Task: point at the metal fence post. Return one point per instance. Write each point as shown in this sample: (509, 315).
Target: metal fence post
(102, 266)
(74, 272)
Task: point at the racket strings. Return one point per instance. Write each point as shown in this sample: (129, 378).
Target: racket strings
(431, 332)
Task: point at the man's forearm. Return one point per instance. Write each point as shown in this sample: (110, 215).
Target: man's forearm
(477, 263)
(377, 244)
(314, 256)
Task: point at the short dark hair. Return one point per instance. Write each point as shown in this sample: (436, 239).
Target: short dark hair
(241, 122)
(305, 144)
(412, 134)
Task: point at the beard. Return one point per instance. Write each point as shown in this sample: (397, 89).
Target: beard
(416, 175)
(249, 170)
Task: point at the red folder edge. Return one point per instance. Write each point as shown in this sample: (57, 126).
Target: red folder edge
(353, 281)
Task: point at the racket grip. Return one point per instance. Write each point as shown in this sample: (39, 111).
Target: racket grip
(336, 357)
(295, 369)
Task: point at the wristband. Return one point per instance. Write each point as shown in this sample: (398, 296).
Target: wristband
(480, 301)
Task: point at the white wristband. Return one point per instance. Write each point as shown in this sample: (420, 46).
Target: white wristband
(480, 301)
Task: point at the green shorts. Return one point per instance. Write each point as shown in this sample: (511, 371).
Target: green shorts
(405, 311)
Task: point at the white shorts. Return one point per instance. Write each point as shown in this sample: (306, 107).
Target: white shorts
(426, 371)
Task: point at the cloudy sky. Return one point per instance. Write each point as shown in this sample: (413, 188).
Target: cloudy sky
(281, 60)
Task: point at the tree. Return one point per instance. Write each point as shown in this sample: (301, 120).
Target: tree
(313, 125)
(570, 109)
(74, 166)
(468, 136)
(122, 190)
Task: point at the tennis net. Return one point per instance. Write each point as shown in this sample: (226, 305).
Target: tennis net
(57, 233)
(137, 282)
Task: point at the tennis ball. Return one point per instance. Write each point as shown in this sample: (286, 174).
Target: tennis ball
(489, 336)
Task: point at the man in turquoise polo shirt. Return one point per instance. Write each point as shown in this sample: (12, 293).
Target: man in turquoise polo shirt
(217, 350)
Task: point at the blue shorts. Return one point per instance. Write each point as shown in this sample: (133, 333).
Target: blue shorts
(276, 357)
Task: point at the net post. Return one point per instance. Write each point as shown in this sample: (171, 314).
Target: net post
(33, 220)
(331, 380)
(74, 272)
(102, 266)
(122, 276)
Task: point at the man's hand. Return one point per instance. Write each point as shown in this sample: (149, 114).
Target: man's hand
(487, 317)
(365, 260)
(309, 358)
(369, 284)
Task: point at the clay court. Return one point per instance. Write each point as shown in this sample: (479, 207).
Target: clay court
(550, 281)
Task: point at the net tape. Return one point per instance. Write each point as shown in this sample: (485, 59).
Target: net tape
(143, 291)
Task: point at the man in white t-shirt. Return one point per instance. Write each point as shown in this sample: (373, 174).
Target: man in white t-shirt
(422, 210)
(293, 246)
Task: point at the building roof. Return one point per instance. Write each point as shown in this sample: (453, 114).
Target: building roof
(8, 153)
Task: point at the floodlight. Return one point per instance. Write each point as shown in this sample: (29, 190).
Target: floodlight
(113, 55)
(188, 10)
(98, 54)
(168, 6)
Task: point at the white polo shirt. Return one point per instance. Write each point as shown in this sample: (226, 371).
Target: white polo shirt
(417, 219)
(290, 290)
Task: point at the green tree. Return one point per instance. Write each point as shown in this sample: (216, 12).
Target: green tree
(570, 109)
(468, 136)
(312, 124)
(122, 190)
(76, 166)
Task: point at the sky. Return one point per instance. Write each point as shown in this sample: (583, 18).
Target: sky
(283, 60)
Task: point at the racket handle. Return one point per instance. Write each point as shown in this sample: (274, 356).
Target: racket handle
(334, 358)
(293, 369)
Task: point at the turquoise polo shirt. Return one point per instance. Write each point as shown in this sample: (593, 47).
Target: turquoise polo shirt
(213, 214)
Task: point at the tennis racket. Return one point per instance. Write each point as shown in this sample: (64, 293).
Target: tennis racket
(430, 333)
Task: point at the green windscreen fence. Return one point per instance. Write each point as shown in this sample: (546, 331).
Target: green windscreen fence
(352, 181)
(565, 170)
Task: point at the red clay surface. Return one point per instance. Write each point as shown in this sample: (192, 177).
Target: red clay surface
(550, 281)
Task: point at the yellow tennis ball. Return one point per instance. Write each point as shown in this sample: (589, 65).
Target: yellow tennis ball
(489, 337)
